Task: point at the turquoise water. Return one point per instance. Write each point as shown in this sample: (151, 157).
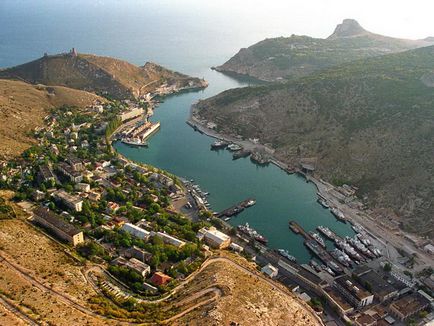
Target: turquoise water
(280, 197)
(189, 40)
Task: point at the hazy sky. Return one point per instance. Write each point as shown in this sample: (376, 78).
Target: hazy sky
(399, 18)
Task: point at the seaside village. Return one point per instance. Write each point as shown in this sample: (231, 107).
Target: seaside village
(151, 229)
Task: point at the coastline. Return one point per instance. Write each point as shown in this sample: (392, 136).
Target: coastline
(386, 239)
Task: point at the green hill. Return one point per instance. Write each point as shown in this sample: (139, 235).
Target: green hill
(102, 75)
(297, 56)
(369, 123)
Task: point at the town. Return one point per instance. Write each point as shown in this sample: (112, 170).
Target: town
(150, 229)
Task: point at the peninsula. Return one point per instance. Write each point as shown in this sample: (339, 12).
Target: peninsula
(282, 58)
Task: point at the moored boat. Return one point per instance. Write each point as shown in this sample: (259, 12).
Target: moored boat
(246, 229)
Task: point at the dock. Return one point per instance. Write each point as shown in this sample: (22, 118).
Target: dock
(236, 209)
(320, 252)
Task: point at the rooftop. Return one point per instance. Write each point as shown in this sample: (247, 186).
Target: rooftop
(409, 304)
(62, 194)
(377, 283)
(56, 221)
(352, 287)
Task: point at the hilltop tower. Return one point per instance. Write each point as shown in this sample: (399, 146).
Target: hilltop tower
(73, 52)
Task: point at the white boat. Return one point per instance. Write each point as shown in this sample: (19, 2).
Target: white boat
(286, 254)
(234, 147)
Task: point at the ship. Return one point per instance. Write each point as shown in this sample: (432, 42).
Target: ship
(285, 253)
(317, 238)
(134, 142)
(335, 267)
(246, 229)
(323, 203)
(338, 214)
(327, 232)
(234, 147)
(293, 226)
(360, 247)
(241, 154)
(315, 265)
(341, 257)
(348, 249)
(219, 144)
(328, 270)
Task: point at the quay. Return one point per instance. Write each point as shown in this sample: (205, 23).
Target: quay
(321, 253)
(236, 209)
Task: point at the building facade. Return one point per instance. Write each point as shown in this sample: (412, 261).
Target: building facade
(57, 225)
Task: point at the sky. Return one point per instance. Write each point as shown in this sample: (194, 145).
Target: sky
(205, 32)
(398, 18)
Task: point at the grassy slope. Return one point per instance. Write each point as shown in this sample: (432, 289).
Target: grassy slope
(298, 56)
(23, 107)
(104, 75)
(370, 123)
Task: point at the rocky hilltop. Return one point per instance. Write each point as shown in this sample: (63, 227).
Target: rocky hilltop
(103, 75)
(297, 56)
(369, 123)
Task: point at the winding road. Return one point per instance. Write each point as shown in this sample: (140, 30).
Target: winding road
(214, 289)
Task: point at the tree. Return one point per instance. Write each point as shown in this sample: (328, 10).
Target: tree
(387, 267)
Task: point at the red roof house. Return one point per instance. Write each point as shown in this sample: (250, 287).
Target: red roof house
(160, 279)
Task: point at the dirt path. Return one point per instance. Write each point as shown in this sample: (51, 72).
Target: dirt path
(21, 315)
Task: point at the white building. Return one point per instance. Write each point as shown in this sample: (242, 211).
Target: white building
(136, 231)
(270, 270)
(73, 202)
(214, 238)
(429, 248)
(130, 114)
(83, 187)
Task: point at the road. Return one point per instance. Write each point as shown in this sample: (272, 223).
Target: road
(384, 236)
(214, 289)
(17, 312)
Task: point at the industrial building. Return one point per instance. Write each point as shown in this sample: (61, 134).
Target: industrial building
(57, 225)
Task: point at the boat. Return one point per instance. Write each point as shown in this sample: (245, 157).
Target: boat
(360, 247)
(328, 270)
(241, 154)
(250, 203)
(338, 214)
(317, 238)
(293, 226)
(323, 203)
(234, 147)
(227, 219)
(246, 229)
(315, 265)
(260, 158)
(334, 267)
(285, 253)
(341, 257)
(134, 142)
(327, 232)
(349, 250)
(219, 144)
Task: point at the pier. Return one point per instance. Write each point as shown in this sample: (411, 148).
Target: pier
(320, 252)
(236, 209)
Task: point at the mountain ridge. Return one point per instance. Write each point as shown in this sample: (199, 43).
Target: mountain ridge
(368, 123)
(102, 75)
(296, 56)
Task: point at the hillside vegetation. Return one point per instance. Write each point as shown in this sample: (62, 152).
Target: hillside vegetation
(103, 75)
(369, 123)
(24, 106)
(298, 56)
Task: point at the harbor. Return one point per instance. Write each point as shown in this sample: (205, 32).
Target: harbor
(277, 190)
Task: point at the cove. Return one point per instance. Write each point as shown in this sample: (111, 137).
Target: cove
(280, 197)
